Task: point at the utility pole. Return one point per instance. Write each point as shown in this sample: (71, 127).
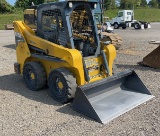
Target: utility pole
(133, 11)
(1, 5)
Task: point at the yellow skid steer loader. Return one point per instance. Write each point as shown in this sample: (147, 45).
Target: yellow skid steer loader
(70, 58)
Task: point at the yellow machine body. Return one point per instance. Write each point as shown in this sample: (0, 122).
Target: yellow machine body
(72, 57)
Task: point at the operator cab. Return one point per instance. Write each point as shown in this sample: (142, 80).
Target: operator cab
(70, 24)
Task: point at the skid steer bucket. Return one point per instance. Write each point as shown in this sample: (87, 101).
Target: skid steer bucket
(152, 59)
(107, 99)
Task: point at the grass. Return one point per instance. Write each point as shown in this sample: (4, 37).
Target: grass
(9, 18)
(147, 14)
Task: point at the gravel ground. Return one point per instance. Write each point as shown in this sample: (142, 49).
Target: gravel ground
(24, 112)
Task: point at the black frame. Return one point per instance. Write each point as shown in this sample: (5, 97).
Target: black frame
(65, 13)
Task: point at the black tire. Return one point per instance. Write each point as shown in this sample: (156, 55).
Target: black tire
(123, 27)
(145, 25)
(62, 85)
(34, 75)
(116, 26)
(137, 26)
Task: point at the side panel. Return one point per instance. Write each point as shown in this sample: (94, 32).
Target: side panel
(50, 65)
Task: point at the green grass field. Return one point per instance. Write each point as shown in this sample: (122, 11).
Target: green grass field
(150, 15)
(9, 18)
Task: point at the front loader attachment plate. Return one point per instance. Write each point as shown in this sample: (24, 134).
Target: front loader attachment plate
(107, 99)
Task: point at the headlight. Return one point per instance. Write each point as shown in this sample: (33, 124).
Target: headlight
(95, 5)
(70, 4)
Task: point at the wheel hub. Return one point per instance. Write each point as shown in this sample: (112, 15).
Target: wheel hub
(32, 76)
(60, 85)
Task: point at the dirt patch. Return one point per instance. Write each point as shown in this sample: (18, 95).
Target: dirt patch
(152, 59)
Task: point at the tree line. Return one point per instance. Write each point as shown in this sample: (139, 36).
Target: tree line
(108, 4)
(25, 3)
(129, 4)
(5, 7)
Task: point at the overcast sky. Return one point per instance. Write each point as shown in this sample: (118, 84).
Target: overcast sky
(13, 1)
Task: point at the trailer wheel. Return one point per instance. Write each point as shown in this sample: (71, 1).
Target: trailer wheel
(137, 26)
(145, 25)
(62, 85)
(34, 75)
(116, 26)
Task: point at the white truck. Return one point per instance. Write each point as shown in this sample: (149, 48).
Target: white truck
(125, 19)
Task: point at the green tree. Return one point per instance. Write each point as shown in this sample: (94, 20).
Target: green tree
(143, 3)
(153, 3)
(50, 0)
(22, 3)
(25, 3)
(5, 7)
(37, 2)
(109, 4)
(128, 4)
